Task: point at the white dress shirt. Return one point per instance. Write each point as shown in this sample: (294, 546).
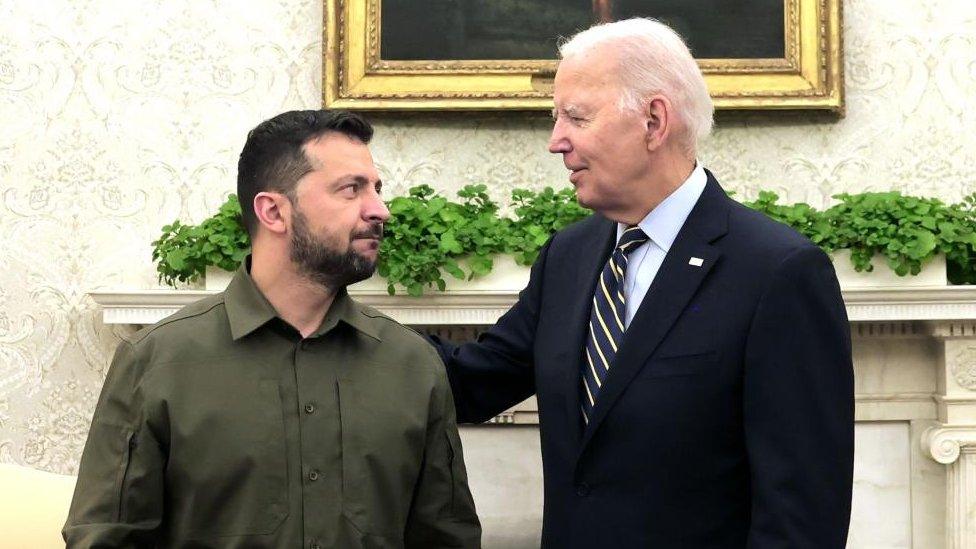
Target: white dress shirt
(661, 225)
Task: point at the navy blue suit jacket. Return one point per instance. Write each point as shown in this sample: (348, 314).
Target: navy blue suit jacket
(726, 419)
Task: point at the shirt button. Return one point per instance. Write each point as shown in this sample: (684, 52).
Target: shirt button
(313, 475)
(314, 545)
(309, 408)
(582, 489)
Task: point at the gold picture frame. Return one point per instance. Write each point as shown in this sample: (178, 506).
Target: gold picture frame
(809, 76)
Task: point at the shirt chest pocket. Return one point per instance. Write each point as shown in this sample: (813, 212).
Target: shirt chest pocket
(383, 438)
(229, 464)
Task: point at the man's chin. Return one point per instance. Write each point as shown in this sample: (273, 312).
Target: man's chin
(333, 277)
(360, 276)
(583, 199)
(364, 268)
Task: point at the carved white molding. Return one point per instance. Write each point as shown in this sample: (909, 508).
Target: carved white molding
(897, 329)
(461, 308)
(143, 306)
(886, 304)
(905, 397)
(964, 367)
(484, 307)
(961, 502)
(946, 443)
(472, 308)
(515, 417)
(957, 329)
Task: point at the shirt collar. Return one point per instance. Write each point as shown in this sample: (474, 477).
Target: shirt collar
(248, 309)
(663, 223)
(346, 309)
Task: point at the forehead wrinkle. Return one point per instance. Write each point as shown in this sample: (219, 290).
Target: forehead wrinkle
(572, 108)
(568, 108)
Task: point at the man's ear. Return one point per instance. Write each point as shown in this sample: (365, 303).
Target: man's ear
(273, 211)
(658, 116)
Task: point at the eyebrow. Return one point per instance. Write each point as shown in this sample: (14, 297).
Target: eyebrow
(570, 110)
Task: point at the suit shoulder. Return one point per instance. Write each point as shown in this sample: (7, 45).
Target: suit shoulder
(757, 247)
(762, 232)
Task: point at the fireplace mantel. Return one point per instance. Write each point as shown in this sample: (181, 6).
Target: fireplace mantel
(484, 307)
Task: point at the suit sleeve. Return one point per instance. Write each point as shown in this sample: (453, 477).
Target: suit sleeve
(118, 499)
(798, 408)
(497, 372)
(442, 513)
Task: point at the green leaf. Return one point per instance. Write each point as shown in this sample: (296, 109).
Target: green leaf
(923, 245)
(480, 265)
(176, 259)
(453, 269)
(449, 243)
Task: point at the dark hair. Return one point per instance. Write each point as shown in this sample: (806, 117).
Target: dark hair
(273, 159)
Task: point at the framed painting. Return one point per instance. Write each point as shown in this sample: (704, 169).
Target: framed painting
(501, 54)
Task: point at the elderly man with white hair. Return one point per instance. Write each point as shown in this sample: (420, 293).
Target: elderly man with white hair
(690, 356)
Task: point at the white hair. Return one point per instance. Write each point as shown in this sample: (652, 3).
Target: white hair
(653, 60)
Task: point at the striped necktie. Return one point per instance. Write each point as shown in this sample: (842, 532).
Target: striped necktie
(606, 328)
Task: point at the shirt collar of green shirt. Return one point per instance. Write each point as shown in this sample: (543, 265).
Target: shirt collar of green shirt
(248, 309)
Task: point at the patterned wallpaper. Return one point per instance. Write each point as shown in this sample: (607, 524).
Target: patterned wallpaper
(120, 116)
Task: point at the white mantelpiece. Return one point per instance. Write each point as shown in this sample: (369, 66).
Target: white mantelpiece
(952, 441)
(484, 307)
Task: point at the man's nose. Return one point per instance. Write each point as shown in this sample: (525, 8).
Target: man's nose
(557, 140)
(375, 210)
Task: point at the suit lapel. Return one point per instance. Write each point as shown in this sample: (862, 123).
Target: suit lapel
(594, 250)
(675, 283)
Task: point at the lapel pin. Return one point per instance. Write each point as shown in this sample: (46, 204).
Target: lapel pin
(696, 261)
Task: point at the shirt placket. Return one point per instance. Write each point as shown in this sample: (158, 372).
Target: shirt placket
(320, 440)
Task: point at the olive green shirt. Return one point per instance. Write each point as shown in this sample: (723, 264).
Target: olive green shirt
(221, 426)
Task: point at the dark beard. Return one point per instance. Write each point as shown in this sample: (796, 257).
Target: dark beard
(322, 263)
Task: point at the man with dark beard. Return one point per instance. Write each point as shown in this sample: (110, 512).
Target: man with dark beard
(281, 413)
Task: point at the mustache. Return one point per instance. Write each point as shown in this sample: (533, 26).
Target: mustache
(374, 231)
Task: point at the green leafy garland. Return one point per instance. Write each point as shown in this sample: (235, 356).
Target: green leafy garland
(904, 230)
(429, 236)
(183, 252)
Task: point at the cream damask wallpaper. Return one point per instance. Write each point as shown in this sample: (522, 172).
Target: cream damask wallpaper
(119, 116)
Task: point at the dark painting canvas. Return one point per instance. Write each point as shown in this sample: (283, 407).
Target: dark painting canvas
(531, 29)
